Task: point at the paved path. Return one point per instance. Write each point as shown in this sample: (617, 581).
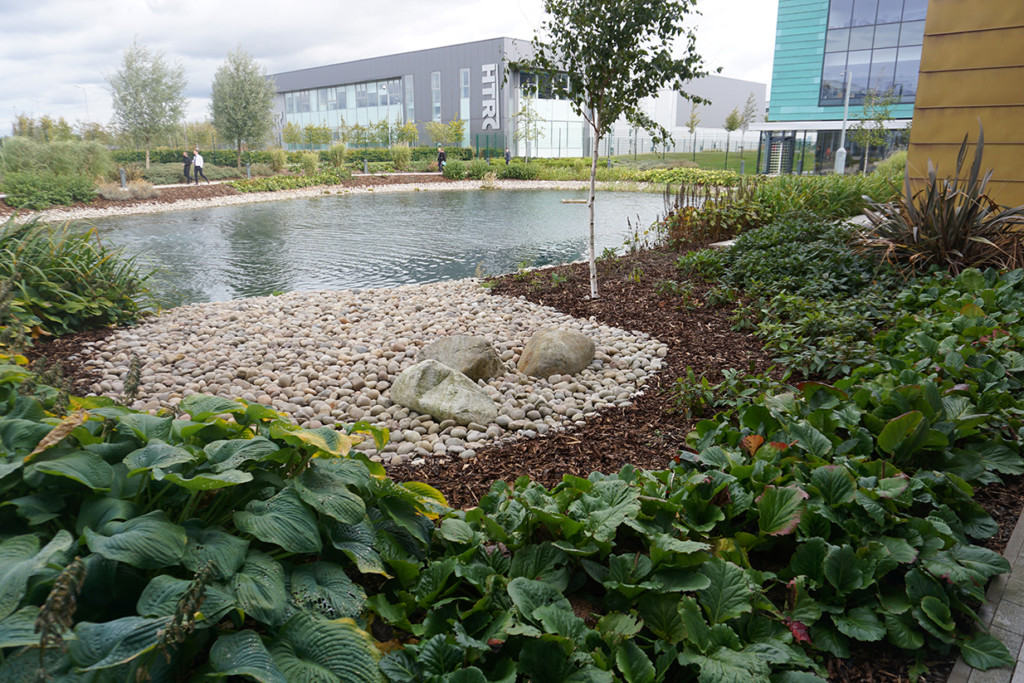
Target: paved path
(1003, 614)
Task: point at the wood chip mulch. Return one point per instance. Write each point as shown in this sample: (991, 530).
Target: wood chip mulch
(651, 431)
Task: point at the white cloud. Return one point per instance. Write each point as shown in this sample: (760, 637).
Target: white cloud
(55, 54)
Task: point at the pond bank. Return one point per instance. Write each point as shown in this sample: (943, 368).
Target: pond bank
(435, 183)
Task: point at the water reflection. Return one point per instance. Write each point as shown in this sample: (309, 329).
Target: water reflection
(367, 240)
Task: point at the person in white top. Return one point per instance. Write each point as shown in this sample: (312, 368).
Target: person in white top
(197, 163)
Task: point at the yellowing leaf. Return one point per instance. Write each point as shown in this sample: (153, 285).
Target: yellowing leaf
(58, 433)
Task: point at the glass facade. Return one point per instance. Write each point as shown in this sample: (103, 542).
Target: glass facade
(435, 94)
(874, 43)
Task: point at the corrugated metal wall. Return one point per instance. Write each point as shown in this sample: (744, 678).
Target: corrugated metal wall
(972, 69)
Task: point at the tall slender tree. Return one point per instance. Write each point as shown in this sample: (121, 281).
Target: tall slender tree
(148, 96)
(731, 124)
(691, 126)
(615, 52)
(747, 118)
(242, 101)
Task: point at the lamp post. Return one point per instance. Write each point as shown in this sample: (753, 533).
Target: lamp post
(85, 94)
(840, 165)
(387, 111)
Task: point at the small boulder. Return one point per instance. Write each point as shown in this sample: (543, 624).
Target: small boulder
(556, 351)
(433, 388)
(474, 357)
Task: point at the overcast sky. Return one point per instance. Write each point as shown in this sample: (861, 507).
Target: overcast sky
(55, 54)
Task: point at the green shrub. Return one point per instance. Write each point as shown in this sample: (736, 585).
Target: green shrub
(278, 159)
(41, 190)
(291, 182)
(454, 170)
(518, 171)
(114, 192)
(893, 167)
(64, 279)
(141, 189)
(477, 169)
(827, 197)
(72, 157)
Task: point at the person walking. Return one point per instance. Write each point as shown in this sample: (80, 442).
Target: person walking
(442, 159)
(197, 161)
(187, 170)
(508, 156)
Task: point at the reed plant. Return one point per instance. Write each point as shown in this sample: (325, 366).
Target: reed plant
(64, 279)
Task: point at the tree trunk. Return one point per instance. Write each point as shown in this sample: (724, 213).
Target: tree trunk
(590, 204)
(239, 154)
(727, 150)
(147, 157)
(867, 148)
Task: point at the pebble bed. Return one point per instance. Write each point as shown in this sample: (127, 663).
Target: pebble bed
(330, 357)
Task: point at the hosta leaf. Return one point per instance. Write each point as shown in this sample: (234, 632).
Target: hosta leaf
(425, 492)
(314, 650)
(145, 542)
(156, 453)
(284, 520)
(19, 628)
(38, 508)
(860, 623)
(729, 594)
(439, 657)
(105, 645)
(81, 466)
(897, 429)
(457, 531)
(243, 654)
(147, 427)
(233, 453)
(635, 666)
(985, 652)
(779, 510)
(835, 483)
(259, 587)
(203, 406)
(323, 439)
(325, 589)
(213, 546)
(161, 595)
(205, 481)
(356, 541)
(328, 494)
(96, 511)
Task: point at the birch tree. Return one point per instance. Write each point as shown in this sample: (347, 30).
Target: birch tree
(242, 101)
(615, 52)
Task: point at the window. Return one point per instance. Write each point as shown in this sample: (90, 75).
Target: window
(302, 103)
(876, 45)
(342, 100)
(382, 93)
(464, 83)
(435, 94)
(410, 104)
(360, 95)
(395, 91)
(289, 103)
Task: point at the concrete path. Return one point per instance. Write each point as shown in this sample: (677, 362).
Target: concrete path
(1003, 614)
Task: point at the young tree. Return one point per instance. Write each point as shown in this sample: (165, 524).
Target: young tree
(242, 101)
(747, 118)
(292, 133)
(870, 130)
(449, 134)
(456, 132)
(407, 133)
(616, 53)
(731, 124)
(148, 96)
(314, 134)
(528, 121)
(691, 125)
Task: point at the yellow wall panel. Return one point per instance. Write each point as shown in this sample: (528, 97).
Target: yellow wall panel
(949, 125)
(958, 16)
(981, 87)
(957, 51)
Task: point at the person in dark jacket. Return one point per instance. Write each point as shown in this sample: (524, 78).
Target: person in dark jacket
(508, 156)
(188, 167)
(442, 159)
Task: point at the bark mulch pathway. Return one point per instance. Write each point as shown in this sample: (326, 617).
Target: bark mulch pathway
(646, 434)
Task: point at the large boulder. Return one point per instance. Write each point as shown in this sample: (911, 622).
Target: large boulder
(474, 357)
(435, 389)
(556, 351)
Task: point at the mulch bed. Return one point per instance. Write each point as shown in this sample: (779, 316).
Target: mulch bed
(651, 431)
(169, 195)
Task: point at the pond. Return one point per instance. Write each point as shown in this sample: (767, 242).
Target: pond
(356, 241)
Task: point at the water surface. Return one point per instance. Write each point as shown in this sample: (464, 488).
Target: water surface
(355, 241)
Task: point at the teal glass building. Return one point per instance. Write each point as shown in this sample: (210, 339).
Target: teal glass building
(874, 46)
